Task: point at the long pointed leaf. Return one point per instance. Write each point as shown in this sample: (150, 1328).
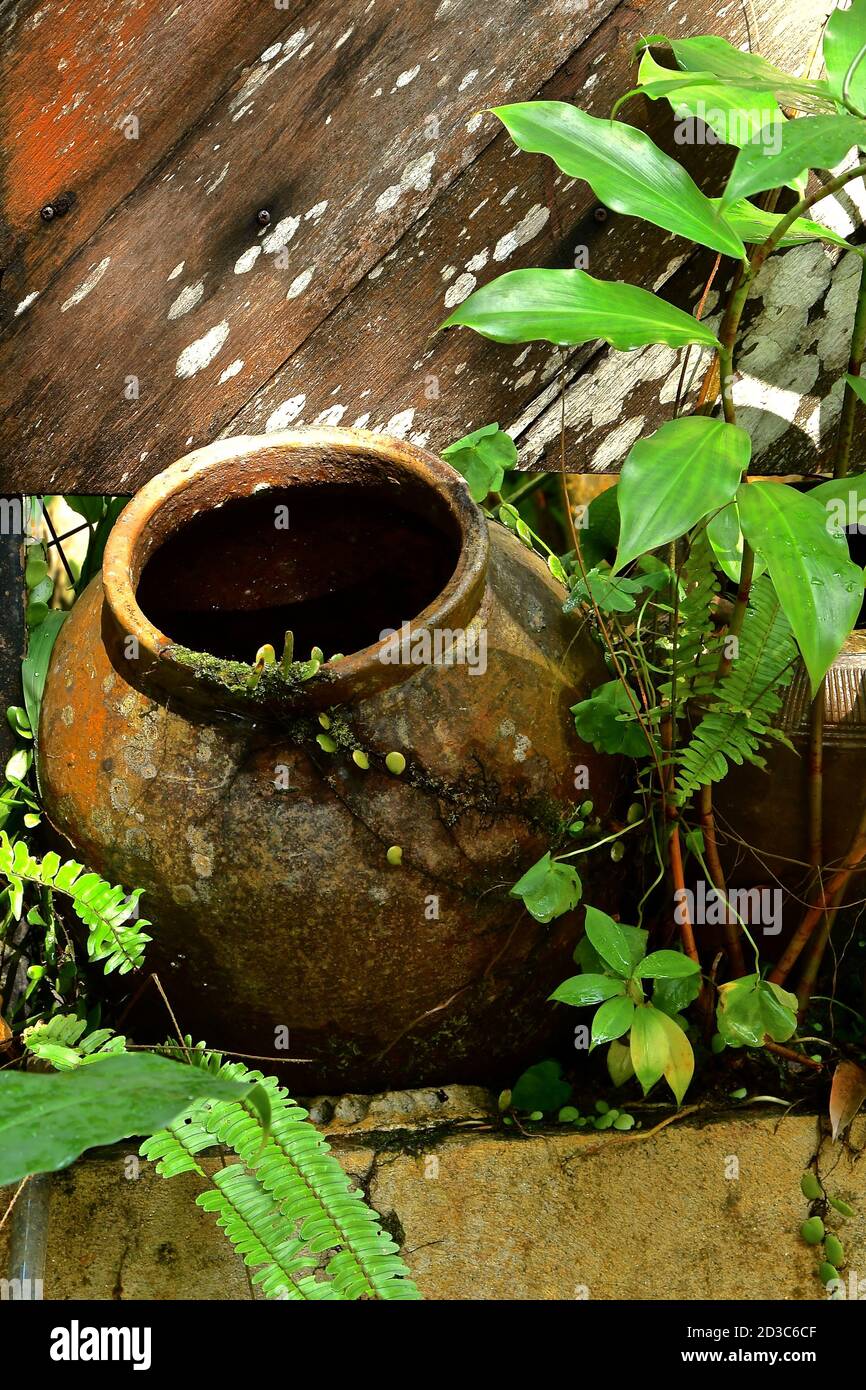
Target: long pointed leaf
(754, 225)
(779, 154)
(624, 167)
(844, 37)
(708, 53)
(46, 1121)
(570, 307)
(819, 588)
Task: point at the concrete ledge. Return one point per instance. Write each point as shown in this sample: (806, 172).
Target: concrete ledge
(700, 1211)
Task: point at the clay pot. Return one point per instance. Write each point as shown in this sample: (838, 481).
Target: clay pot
(278, 920)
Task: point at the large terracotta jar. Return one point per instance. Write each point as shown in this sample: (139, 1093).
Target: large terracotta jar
(281, 924)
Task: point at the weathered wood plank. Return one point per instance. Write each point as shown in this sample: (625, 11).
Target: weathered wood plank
(161, 328)
(370, 362)
(93, 95)
(787, 387)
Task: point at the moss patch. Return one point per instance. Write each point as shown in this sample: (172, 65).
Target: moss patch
(273, 685)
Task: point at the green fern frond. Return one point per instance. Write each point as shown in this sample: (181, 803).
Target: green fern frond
(697, 644)
(263, 1236)
(112, 938)
(291, 1173)
(739, 720)
(59, 1041)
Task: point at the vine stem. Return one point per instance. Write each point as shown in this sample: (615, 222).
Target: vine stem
(815, 957)
(816, 780)
(791, 1056)
(687, 932)
(836, 884)
(842, 458)
(841, 465)
(728, 330)
(717, 874)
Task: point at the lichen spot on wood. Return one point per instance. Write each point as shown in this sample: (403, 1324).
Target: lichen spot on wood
(201, 353)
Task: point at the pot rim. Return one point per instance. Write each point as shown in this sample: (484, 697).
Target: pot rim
(250, 463)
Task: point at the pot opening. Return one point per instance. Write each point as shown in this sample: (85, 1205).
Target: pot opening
(336, 563)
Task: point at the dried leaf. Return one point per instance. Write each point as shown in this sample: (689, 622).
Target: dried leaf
(846, 1095)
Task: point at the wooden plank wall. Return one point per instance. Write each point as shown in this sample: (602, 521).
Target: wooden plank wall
(153, 312)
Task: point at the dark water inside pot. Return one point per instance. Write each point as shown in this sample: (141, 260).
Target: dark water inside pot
(337, 565)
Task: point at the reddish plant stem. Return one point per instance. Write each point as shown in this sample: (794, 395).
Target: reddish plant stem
(816, 780)
(717, 873)
(791, 1055)
(836, 884)
(687, 933)
(814, 959)
(728, 330)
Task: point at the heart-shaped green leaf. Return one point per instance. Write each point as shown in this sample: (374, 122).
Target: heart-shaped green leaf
(483, 458)
(624, 167)
(607, 721)
(541, 1087)
(548, 889)
(818, 586)
(750, 1008)
(685, 470)
(569, 307)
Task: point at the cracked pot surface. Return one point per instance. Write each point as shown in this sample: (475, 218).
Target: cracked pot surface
(281, 923)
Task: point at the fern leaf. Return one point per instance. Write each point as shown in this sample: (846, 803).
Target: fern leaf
(696, 646)
(112, 938)
(263, 1236)
(293, 1189)
(739, 720)
(59, 1041)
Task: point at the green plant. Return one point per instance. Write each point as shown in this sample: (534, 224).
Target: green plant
(813, 1230)
(288, 1201)
(658, 1045)
(696, 677)
(286, 1204)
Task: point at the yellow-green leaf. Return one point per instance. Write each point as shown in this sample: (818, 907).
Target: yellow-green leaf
(650, 1046)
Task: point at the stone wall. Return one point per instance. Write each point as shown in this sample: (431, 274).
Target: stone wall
(708, 1208)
